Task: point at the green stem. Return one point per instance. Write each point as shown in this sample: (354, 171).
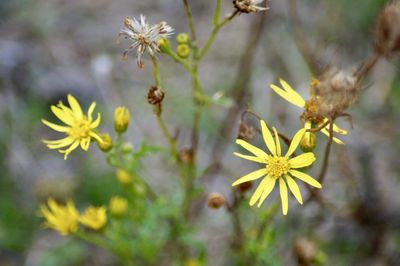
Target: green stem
(190, 21)
(156, 71)
(183, 62)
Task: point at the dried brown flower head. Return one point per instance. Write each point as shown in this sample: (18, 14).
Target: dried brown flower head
(244, 187)
(246, 132)
(248, 6)
(388, 30)
(215, 200)
(335, 91)
(155, 95)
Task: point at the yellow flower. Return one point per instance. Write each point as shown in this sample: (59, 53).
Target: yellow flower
(106, 143)
(124, 177)
(121, 119)
(63, 219)
(94, 217)
(310, 107)
(277, 168)
(118, 206)
(78, 127)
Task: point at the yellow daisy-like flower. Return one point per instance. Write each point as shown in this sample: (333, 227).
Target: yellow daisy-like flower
(78, 127)
(63, 219)
(94, 217)
(277, 168)
(310, 108)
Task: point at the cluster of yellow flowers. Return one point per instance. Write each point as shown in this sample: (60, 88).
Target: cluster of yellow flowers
(66, 218)
(279, 168)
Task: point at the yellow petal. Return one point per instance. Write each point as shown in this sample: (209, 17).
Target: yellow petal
(295, 141)
(90, 111)
(278, 144)
(252, 176)
(85, 144)
(251, 158)
(70, 149)
(336, 140)
(259, 191)
(305, 178)
(336, 128)
(267, 136)
(63, 116)
(96, 136)
(254, 150)
(302, 160)
(294, 188)
(55, 126)
(295, 97)
(96, 123)
(61, 143)
(269, 186)
(76, 108)
(284, 195)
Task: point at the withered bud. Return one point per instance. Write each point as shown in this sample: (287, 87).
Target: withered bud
(248, 6)
(305, 251)
(246, 132)
(387, 41)
(186, 155)
(215, 200)
(244, 187)
(155, 96)
(335, 92)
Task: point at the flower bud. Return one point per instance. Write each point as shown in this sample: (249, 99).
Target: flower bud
(106, 144)
(118, 206)
(183, 50)
(123, 177)
(127, 147)
(164, 45)
(388, 30)
(308, 142)
(215, 200)
(244, 187)
(182, 38)
(155, 96)
(186, 155)
(121, 119)
(246, 132)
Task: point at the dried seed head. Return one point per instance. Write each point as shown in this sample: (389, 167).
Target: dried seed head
(248, 6)
(215, 200)
(388, 31)
(244, 187)
(155, 96)
(305, 251)
(333, 94)
(246, 132)
(186, 155)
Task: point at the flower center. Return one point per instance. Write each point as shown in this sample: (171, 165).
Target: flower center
(277, 166)
(80, 129)
(311, 112)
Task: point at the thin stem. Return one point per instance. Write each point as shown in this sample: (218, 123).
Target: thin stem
(156, 71)
(217, 12)
(214, 32)
(183, 62)
(167, 135)
(324, 168)
(190, 21)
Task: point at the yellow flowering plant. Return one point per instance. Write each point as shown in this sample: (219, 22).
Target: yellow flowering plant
(157, 222)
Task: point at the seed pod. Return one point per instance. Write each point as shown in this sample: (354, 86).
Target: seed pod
(155, 96)
(215, 200)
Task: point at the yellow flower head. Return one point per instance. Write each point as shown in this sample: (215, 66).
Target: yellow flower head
(106, 144)
(118, 206)
(78, 127)
(121, 119)
(124, 177)
(94, 217)
(277, 168)
(63, 219)
(310, 107)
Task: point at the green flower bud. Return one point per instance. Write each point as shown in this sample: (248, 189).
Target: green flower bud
(308, 142)
(164, 45)
(182, 38)
(183, 50)
(106, 144)
(121, 119)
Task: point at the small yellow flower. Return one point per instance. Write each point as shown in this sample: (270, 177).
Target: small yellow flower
(94, 217)
(277, 168)
(118, 206)
(63, 219)
(290, 95)
(121, 119)
(123, 177)
(79, 127)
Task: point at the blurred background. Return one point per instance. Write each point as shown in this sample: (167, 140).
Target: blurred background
(51, 48)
